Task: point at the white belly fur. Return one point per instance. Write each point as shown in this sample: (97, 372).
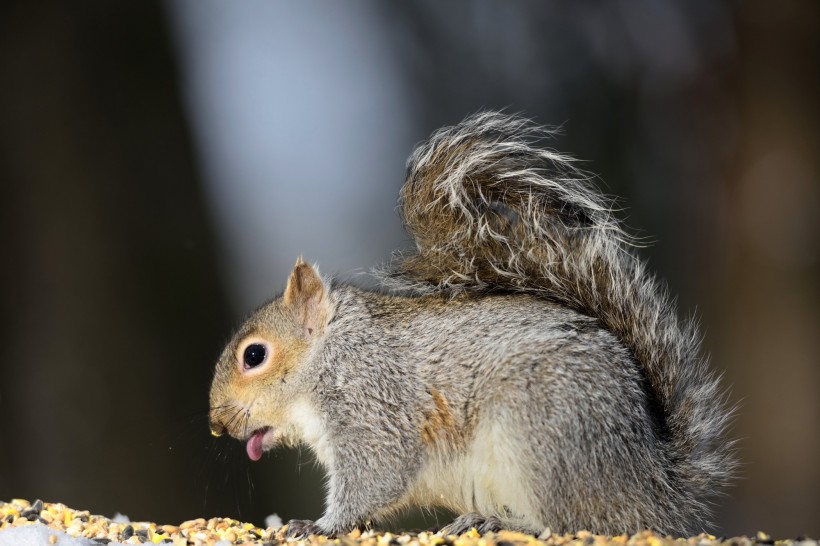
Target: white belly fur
(308, 427)
(486, 478)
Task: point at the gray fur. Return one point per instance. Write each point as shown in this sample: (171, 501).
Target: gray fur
(527, 371)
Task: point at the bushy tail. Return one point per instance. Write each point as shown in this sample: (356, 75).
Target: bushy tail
(489, 209)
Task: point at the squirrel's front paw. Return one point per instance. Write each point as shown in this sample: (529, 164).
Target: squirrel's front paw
(302, 528)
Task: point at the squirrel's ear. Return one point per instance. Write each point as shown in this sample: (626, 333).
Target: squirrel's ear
(307, 298)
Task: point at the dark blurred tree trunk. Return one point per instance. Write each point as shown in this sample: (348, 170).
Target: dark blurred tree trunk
(768, 323)
(112, 307)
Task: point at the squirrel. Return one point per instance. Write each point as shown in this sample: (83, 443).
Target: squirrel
(520, 367)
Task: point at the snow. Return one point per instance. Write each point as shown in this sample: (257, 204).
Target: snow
(38, 534)
(120, 518)
(274, 521)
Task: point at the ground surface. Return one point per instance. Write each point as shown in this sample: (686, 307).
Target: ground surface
(33, 524)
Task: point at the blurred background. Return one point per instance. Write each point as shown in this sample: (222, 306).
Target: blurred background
(162, 164)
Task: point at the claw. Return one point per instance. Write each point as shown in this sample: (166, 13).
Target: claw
(465, 522)
(299, 529)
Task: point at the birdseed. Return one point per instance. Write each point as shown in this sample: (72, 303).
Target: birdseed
(202, 532)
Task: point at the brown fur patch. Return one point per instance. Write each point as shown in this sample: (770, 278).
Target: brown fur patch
(439, 423)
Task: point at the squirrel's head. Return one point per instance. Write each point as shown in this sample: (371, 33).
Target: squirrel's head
(261, 373)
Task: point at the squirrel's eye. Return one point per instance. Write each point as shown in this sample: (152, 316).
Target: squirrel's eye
(254, 355)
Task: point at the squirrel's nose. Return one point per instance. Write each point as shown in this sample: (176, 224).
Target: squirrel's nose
(217, 428)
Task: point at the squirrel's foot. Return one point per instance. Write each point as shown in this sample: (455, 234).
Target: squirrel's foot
(302, 528)
(465, 522)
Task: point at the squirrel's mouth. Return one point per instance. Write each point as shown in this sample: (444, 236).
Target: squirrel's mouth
(257, 443)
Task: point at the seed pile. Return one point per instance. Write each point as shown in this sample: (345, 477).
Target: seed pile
(221, 531)
(80, 523)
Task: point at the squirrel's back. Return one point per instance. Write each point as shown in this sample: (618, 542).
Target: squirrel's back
(530, 412)
(492, 211)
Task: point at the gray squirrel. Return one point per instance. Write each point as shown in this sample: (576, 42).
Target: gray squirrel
(520, 367)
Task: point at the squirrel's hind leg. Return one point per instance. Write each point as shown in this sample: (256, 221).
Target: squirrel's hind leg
(482, 524)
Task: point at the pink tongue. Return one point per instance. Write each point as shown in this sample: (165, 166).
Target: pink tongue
(254, 446)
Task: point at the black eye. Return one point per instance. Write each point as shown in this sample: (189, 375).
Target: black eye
(254, 355)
